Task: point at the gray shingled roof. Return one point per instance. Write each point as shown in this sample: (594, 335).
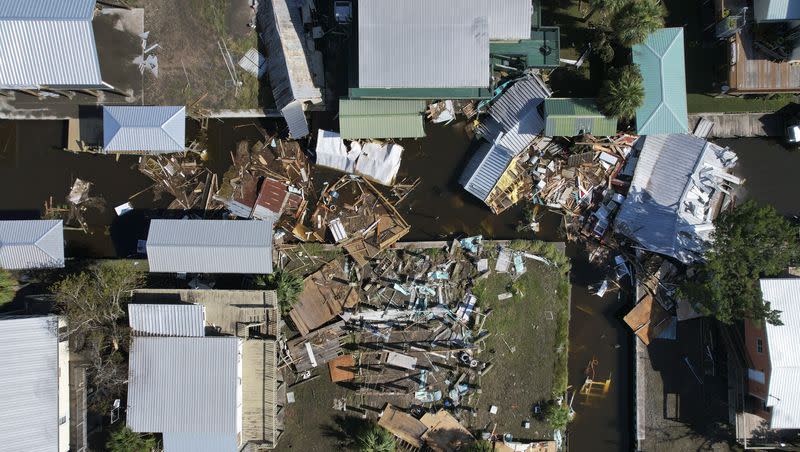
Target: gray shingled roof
(48, 43)
(184, 384)
(210, 246)
(485, 168)
(143, 128)
(26, 244)
(29, 389)
(515, 113)
(167, 319)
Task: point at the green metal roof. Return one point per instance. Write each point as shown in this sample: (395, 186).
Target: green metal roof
(661, 61)
(420, 93)
(568, 117)
(542, 50)
(385, 118)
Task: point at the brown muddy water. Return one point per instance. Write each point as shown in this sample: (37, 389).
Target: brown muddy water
(33, 167)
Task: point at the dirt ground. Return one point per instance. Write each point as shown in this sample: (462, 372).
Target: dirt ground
(190, 63)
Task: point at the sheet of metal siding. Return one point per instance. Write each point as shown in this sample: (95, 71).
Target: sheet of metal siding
(484, 169)
(210, 246)
(199, 442)
(55, 53)
(650, 214)
(183, 384)
(381, 126)
(568, 126)
(369, 107)
(144, 128)
(47, 9)
(776, 10)
(26, 244)
(423, 44)
(167, 319)
(295, 119)
(29, 372)
(783, 342)
(516, 114)
(509, 20)
(661, 61)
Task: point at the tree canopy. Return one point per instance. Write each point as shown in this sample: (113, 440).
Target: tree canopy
(125, 440)
(287, 285)
(375, 439)
(750, 242)
(635, 20)
(622, 93)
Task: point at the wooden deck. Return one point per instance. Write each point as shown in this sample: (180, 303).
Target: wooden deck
(260, 402)
(735, 125)
(751, 72)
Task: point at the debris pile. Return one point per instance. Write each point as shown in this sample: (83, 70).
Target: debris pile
(181, 176)
(79, 202)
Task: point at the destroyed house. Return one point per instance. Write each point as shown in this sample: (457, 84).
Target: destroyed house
(144, 129)
(678, 188)
(210, 246)
(31, 244)
(485, 169)
(424, 49)
(381, 118)
(35, 390)
(570, 117)
(661, 61)
(294, 69)
(774, 365)
(48, 44)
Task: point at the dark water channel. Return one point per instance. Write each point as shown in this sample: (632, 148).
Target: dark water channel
(33, 168)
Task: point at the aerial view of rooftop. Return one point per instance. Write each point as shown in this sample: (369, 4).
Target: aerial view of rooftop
(399, 225)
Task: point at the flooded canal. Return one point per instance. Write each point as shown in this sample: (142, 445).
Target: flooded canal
(33, 168)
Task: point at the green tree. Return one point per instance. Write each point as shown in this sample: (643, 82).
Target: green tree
(287, 285)
(8, 287)
(480, 445)
(749, 243)
(636, 20)
(622, 93)
(557, 415)
(375, 439)
(608, 6)
(602, 47)
(125, 440)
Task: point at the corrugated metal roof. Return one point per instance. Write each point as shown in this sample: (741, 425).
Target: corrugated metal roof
(290, 73)
(515, 114)
(210, 246)
(29, 390)
(783, 341)
(661, 61)
(167, 319)
(146, 129)
(485, 168)
(48, 52)
(331, 152)
(572, 116)
(655, 212)
(423, 44)
(776, 10)
(199, 442)
(26, 244)
(184, 384)
(47, 9)
(295, 118)
(509, 20)
(420, 93)
(381, 118)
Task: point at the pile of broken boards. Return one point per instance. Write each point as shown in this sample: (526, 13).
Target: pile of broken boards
(79, 202)
(182, 177)
(404, 329)
(657, 308)
(587, 185)
(268, 181)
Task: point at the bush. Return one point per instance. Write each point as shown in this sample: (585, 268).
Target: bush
(125, 440)
(557, 415)
(8, 287)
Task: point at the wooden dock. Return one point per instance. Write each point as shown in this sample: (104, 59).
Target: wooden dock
(736, 125)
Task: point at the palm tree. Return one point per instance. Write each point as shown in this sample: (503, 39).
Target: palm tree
(287, 285)
(608, 6)
(375, 439)
(622, 93)
(637, 20)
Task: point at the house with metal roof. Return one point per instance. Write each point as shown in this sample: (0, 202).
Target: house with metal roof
(774, 364)
(679, 186)
(210, 246)
(295, 70)
(48, 44)
(776, 10)
(569, 117)
(381, 118)
(35, 389)
(30, 244)
(144, 129)
(187, 320)
(661, 61)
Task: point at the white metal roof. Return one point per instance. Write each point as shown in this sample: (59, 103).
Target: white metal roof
(380, 163)
(210, 246)
(26, 244)
(184, 384)
(48, 43)
(509, 20)
(783, 342)
(167, 319)
(29, 389)
(143, 128)
(423, 44)
(333, 153)
(199, 442)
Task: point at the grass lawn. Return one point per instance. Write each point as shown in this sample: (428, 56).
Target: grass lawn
(528, 343)
(701, 103)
